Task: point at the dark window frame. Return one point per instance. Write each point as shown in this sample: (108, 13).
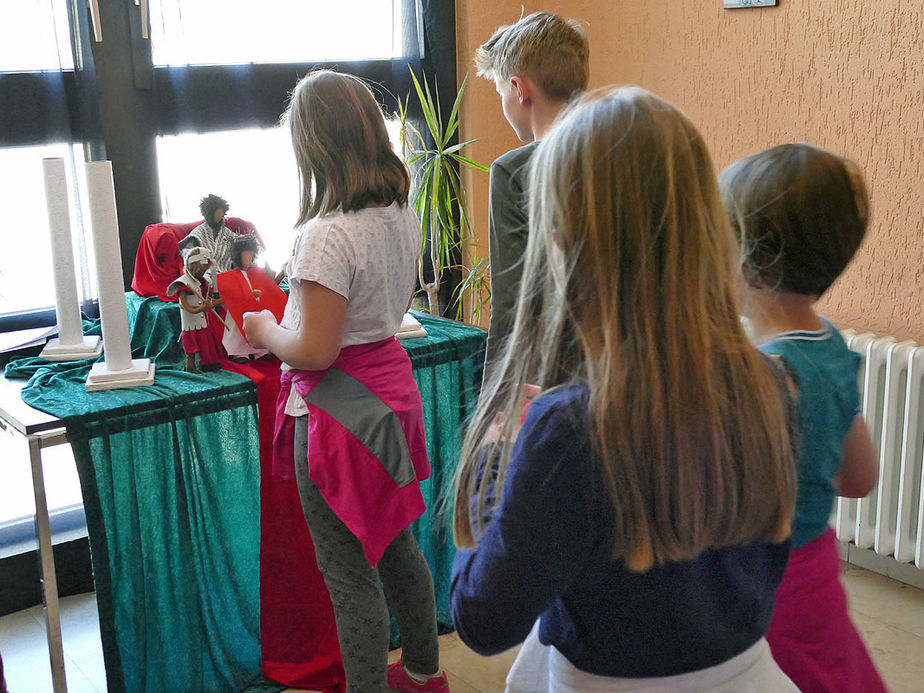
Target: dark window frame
(138, 102)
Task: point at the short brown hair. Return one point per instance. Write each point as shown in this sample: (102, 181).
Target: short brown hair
(345, 160)
(543, 46)
(800, 213)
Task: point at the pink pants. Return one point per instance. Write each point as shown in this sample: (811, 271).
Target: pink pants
(811, 636)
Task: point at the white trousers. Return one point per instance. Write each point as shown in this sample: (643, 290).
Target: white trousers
(543, 669)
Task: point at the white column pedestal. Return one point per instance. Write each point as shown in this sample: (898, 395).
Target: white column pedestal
(119, 370)
(71, 344)
(141, 372)
(90, 348)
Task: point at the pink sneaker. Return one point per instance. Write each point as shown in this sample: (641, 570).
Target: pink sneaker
(398, 680)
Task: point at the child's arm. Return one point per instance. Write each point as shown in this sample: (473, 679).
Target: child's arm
(859, 464)
(316, 344)
(538, 541)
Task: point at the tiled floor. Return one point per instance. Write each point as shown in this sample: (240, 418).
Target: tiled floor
(25, 648)
(890, 616)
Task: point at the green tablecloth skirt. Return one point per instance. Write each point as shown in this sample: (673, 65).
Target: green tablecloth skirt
(170, 478)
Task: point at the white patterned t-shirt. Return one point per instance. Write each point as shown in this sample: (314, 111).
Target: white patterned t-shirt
(369, 257)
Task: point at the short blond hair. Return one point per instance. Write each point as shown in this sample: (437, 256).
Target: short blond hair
(547, 48)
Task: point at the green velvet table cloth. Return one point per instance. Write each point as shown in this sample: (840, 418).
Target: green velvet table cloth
(170, 479)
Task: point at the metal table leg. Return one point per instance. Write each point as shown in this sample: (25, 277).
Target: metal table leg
(47, 565)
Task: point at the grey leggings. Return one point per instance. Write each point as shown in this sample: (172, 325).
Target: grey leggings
(356, 589)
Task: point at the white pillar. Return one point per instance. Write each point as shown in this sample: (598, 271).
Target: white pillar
(118, 370)
(70, 344)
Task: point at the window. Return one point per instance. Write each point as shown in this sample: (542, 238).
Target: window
(229, 32)
(36, 69)
(221, 73)
(17, 502)
(254, 169)
(35, 63)
(26, 275)
(34, 36)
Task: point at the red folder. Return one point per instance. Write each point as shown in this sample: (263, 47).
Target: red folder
(239, 298)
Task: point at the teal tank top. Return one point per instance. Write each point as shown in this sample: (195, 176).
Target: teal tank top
(828, 401)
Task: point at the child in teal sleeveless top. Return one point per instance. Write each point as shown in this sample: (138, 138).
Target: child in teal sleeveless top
(800, 214)
(825, 372)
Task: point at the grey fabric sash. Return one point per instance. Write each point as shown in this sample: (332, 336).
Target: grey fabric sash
(368, 418)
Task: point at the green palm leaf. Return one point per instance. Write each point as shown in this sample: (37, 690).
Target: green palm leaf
(438, 196)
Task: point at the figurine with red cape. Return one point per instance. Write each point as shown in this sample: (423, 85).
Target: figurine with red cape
(246, 288)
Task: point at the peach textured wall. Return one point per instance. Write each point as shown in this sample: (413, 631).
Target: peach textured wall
(481, 115)
(847, 75)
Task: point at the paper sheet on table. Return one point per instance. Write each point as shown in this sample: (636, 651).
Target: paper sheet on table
(21, 339)
(410, 328)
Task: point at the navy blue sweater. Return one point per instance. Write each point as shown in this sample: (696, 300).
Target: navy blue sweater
(547, 553)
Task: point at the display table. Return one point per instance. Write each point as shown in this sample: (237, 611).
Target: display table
(171, 480)
(40, 431)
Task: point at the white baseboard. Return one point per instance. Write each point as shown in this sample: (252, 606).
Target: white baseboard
(884, 565)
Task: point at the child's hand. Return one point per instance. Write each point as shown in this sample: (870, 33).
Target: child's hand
(527, 395)
(255, 327)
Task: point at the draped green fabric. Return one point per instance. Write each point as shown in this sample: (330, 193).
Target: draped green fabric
(170, 479)
(178, 508)
(447, 368)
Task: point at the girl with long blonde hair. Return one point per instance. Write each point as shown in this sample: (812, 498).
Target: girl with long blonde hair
(643, 509)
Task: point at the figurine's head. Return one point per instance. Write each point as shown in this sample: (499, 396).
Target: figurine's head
(243, 251)
(213, 209)
(196, 261)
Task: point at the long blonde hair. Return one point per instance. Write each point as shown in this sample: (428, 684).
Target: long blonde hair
(345, 159)
(629, 285)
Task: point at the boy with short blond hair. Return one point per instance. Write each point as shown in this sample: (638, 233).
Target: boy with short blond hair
(550, 50)
(537, 65)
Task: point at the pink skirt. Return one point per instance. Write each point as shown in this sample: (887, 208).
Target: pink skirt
(811, 635)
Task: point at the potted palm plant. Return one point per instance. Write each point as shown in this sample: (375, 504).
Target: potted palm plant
(439, 199)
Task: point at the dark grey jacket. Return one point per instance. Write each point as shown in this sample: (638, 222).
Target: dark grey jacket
(508, 227)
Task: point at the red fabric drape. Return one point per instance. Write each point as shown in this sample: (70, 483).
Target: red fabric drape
(298, 634)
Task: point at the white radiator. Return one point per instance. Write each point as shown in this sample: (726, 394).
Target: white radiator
(890, 520)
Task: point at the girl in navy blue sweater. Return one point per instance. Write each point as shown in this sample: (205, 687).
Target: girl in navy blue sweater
(642, 511)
